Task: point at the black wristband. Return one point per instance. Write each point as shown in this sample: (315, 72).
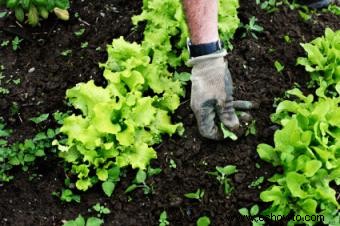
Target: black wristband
(204, 49)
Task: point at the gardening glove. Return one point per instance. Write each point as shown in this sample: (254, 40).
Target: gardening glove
(212, 95)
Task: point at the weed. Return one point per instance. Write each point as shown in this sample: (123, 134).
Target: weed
(163, 219)
(199, 194)
(16, 43)
(252, 28)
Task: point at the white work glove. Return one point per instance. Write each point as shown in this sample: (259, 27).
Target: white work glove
(212, 95)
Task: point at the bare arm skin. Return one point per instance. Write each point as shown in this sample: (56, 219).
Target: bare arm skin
(202, 20)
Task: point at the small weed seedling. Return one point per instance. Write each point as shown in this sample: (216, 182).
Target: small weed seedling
(163, 219)
(67, 196)
(81, 221)
(172, 164)
(251, 128)
(203, 221)
(84, 45)
(333, 8)
(3, 91)
(252, 28)
(25, 153)
(66, 52)
(269, 5)
(183, 77)
(101, 210)
(222, 174)
(279, 67)
(257, 183)
(41, 118)
(140, 181)
(305, 13)
(287, 39)
(254, 211)
(80, 32)
(198, 195)
(16, 43)
(4, 43)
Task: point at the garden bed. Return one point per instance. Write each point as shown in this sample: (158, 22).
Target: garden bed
(45, 75)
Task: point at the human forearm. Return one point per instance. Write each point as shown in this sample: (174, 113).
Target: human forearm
(202, 20)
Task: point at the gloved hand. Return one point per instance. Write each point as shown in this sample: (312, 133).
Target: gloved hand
(212, 95)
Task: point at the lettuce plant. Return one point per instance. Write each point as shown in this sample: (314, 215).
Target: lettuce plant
(323, 62)
(308, 149)
(117, 125)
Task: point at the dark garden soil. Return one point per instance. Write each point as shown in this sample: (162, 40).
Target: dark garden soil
(45, 75)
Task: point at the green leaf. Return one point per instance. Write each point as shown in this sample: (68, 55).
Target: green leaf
(63, 4)
(273, 194)
(254, 210)
(102, 174)
(80, 32)
(71, 155)
(102, 118)
(314, 54)
(40, 118)
(138, 157)
(131, 188)
(227, 133)
(203, 221)
(83, 184)
(153, 171)
(79, 221)
(94, 221)
(244, 211)
(294, 183)
(114, 173)
(312, 167)
(183, 77)
(227, 170)
(108, 187)
(140, 176)
(144, 112)
(309, 206)
(268, 153)
(279, 67)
